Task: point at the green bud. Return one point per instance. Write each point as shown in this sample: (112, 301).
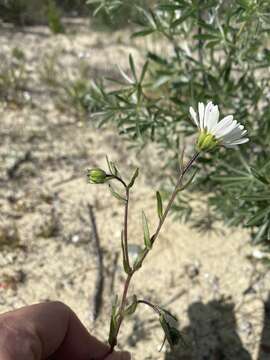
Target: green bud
(97, 176)
(206, 141)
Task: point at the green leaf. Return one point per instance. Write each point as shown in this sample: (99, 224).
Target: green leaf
(255, 220)
(231, 179)
(115, 171)
(186, 185)
(206, 37)
(144, 70)
(132, 67)
(109, 164)
(139, 260)
(130, 309)
(183, 18)
(143, 33)
(172, 334)
(149, 16)
(116, 195)
(125, 260)
(260, 196)
(134, 177)
(261, 234)
(259, 176)
(169, 325)
(157, 58)
(244, 3)
(113, 323)
(159, 205)
(147, 239)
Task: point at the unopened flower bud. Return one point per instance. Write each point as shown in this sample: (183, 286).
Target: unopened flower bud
(97, 176)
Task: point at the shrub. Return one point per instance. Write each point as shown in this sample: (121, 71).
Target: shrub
(32, 12)
(54, 18)
(217, 50)
(22, 12)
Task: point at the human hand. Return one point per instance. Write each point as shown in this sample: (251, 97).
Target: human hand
(49, 331)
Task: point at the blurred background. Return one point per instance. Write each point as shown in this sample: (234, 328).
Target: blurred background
(113, 77)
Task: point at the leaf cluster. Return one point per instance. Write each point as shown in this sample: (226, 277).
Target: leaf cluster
(219, 51)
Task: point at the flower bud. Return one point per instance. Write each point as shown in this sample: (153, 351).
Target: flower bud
(96, 176)
(206, 141)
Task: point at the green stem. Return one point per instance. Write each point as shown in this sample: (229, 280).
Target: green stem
(126, 228)
(154, 237)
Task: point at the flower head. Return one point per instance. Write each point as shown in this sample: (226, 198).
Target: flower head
(226, 132)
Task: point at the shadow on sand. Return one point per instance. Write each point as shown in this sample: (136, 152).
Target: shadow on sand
(211, 335)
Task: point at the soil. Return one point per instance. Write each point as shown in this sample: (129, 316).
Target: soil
(211, 282)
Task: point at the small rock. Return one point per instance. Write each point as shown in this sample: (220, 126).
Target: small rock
(75, 239)
(245, 327)
(192, 270)
(258, 254)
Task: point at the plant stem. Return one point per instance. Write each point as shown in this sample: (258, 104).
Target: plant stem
(173, 196)
(126, 228)
(123, 303)
(125, 232)
(145, 302)
(153, 238)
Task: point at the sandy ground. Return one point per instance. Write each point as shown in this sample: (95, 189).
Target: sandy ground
(47, 248)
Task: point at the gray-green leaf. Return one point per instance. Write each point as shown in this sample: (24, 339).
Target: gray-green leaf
(146, 232)
(115, 194)
(159, 205)
(134, 177)
(130, 309)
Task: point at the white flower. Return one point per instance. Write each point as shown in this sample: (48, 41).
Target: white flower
(227, 132)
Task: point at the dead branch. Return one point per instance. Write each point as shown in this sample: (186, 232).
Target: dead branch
(99, 285)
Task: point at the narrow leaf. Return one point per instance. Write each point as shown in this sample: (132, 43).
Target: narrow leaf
(145, 67)
(125, 260)
(143, 33)
(159, 205)
(132, 67)
(147, 239)
(134, 177)
(115, 194)
(169, 323)
(109, 164)
(186, 185)
(113, 323)
(255, 220)
(139, 260)
(183, 18)
(114, 169)
(259, 176)
(132, 307)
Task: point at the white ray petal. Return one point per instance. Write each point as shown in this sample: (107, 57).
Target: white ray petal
(193, 115)
(234, 135)
(207, 114)
(222, 125)
(201, 115)
(213, 118)
(226, 130)
(238, 142)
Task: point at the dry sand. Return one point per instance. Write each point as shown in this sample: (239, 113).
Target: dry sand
(206, 280)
